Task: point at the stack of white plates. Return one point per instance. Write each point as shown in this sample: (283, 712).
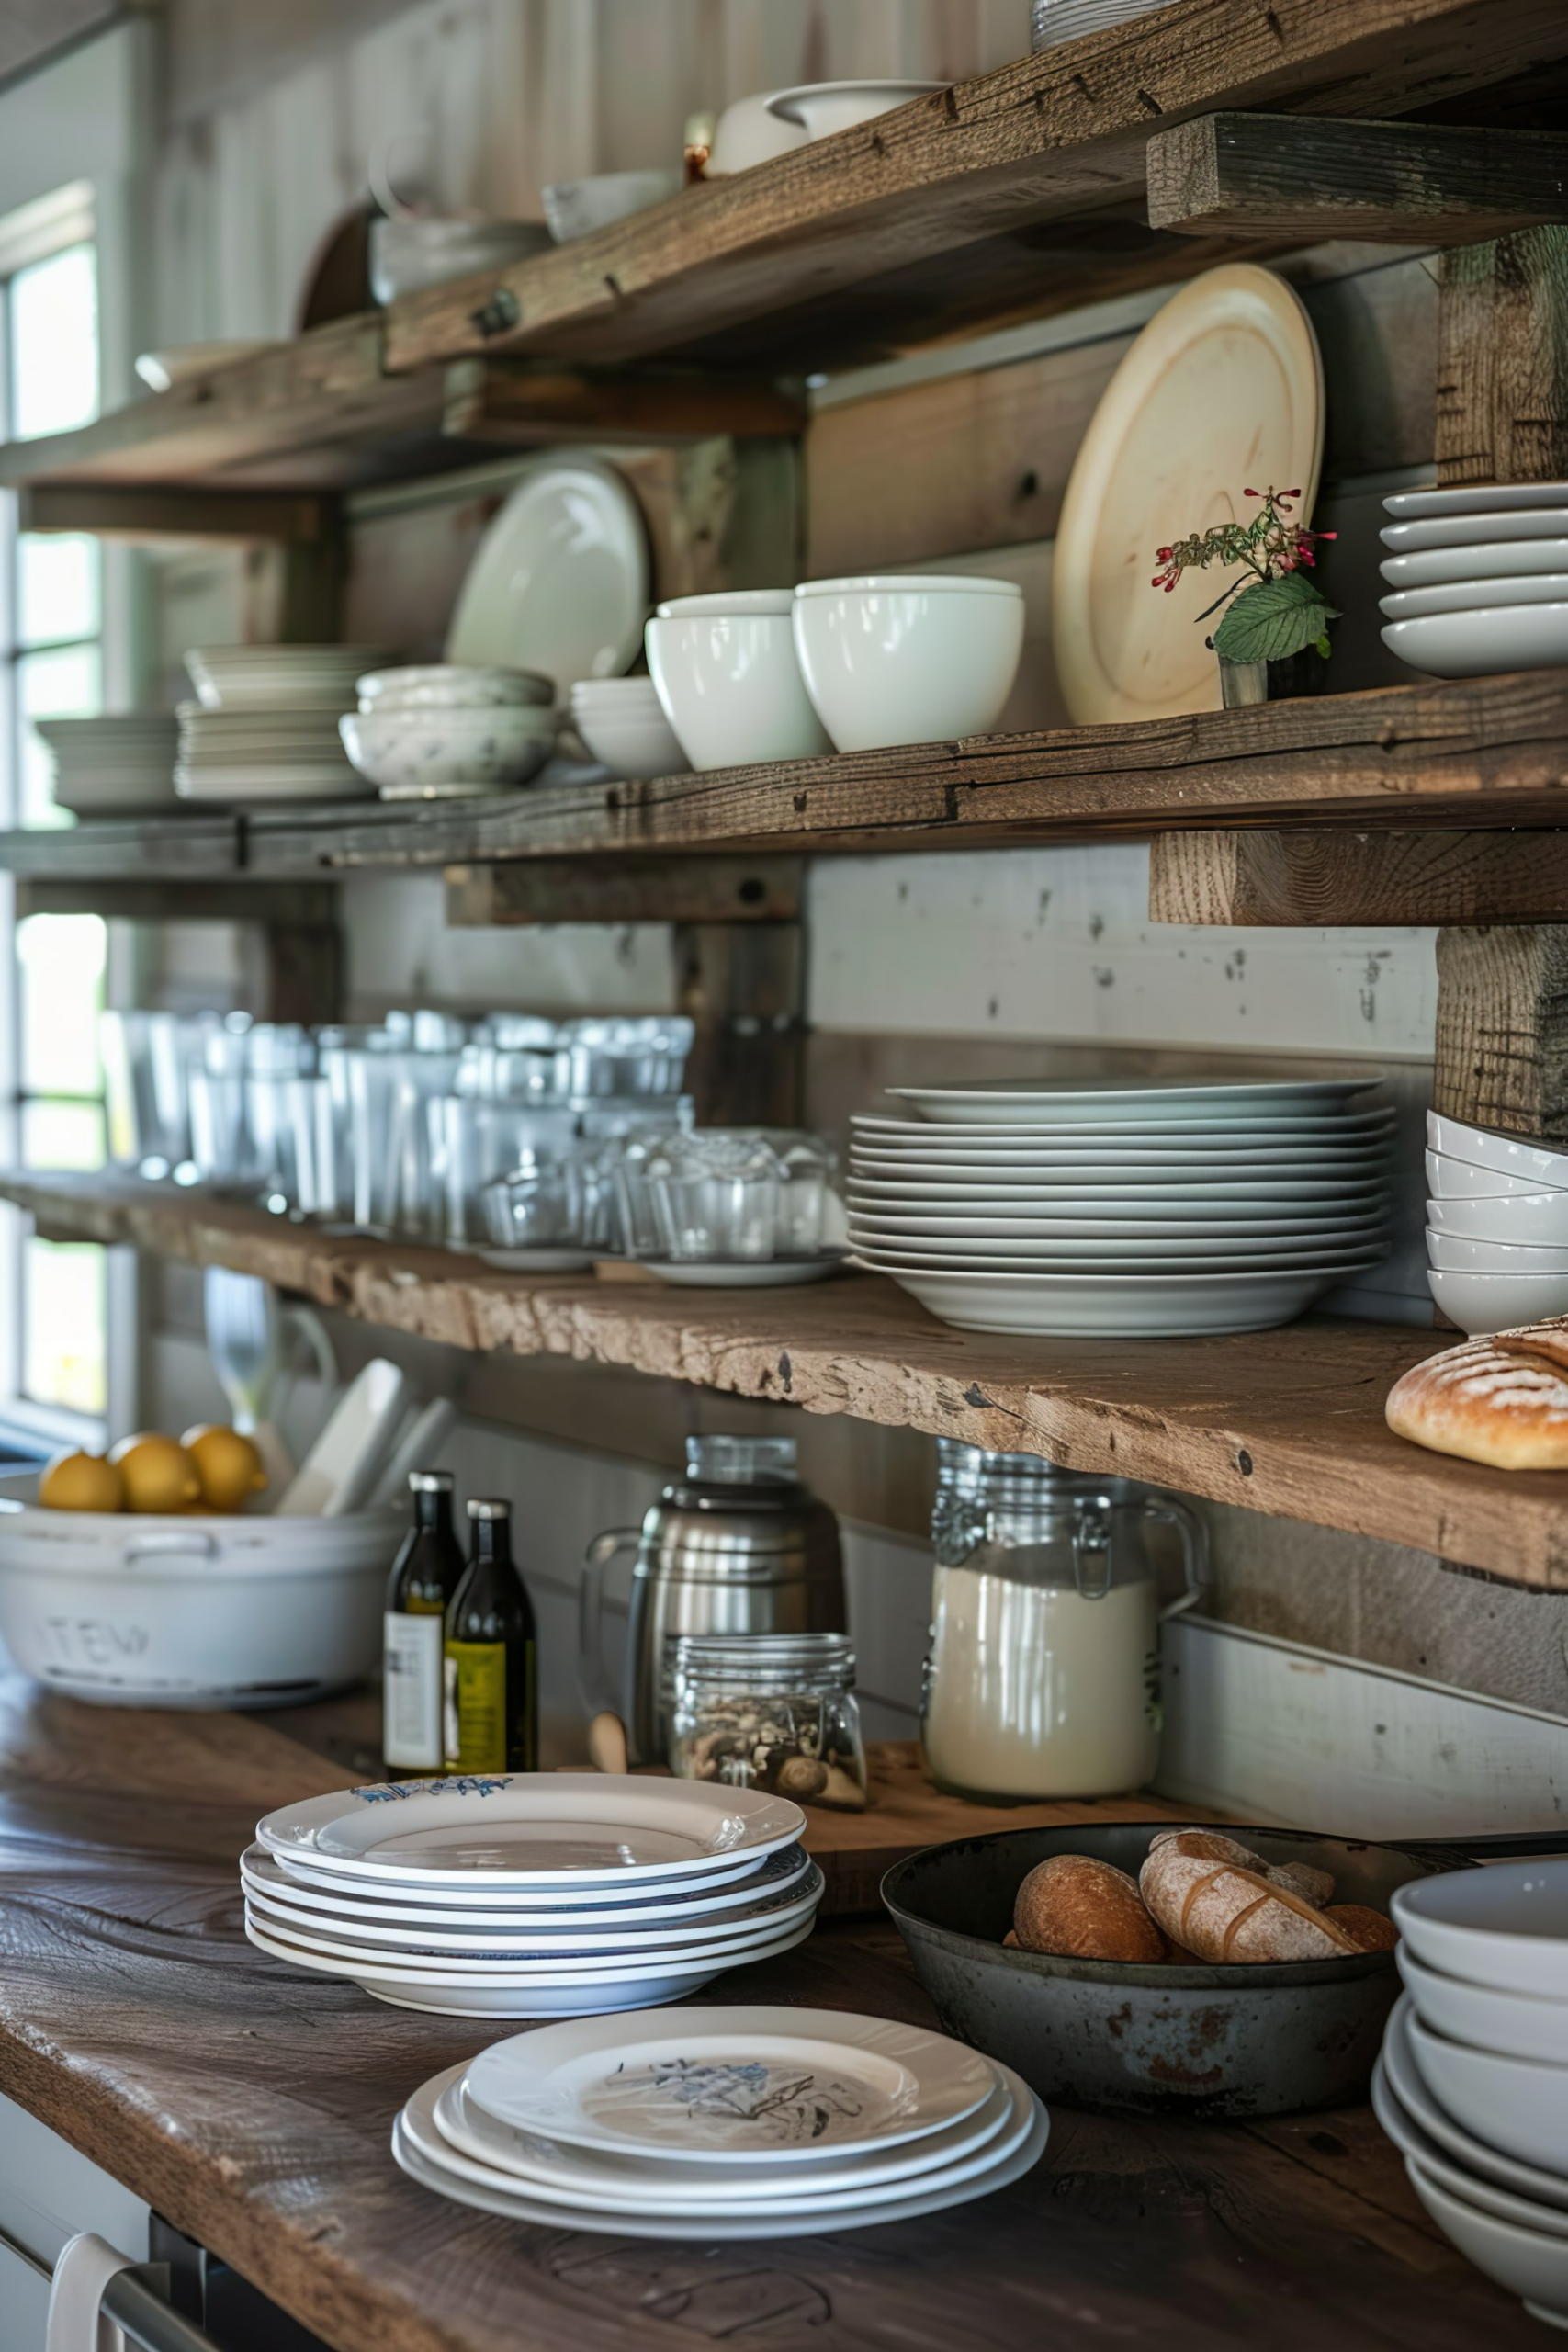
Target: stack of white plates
(279, 677)
(1472, 2082)
(530, 1894)
(718, 2123)
(1478, 578)
(111, 766)
(265, 727)
(1115, 1210)
(1496, 1226)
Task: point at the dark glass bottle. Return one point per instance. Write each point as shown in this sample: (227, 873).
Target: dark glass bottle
(425, 1574)
(491, 1698)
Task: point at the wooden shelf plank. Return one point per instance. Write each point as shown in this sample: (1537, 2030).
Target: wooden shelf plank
(1312, 877)
(1287, 1422)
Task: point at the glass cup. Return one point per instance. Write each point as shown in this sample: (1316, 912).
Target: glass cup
(715, 1195)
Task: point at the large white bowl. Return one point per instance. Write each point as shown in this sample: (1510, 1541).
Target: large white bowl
(1506, 1925)
(1454, 1253)
(1495, 560)
(1482, 1303)
(1529, 2263)
(1462, 595)
(637, 747)
(1509, 1155)
(731, 688)
(1456, 1179)
(1483, 640)
(1510, 2025)
(1519, 2105)
(908, 663)
(437, 751)
(1538, 1219)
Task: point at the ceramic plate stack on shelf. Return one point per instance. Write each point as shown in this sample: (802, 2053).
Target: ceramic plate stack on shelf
(265, 726)
(1473, 2084)
(718, 2123)
(1122, 1211)
(530, 1894)
(112, 767)
(1478, 578)
(1496, 1226)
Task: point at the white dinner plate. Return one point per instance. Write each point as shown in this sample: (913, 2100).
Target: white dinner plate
(1474, 498)
(895, 1206)
(1493, 526)
(499, 1964)
(560, 580)
(1483, 640)
(548, 1829)
(345, 1897)
(914, 1243)
(224, 786)
(1497, 559)
(1042, 1263)
(1112, 1101)
(1134, 1307)
(1475, 2155)
(751, 2085)
(1160, 1196)
(1324, 1126)
(1462, 595)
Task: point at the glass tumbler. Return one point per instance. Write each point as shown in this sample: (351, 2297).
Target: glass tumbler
(716, 1195)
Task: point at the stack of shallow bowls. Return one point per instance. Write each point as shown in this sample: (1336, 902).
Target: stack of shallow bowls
(1496, 1226)
(622, 724)
(721, 2123)
(1478, 578)
(724, 667)
(445, 730)
(1473, 2084)
(1109, 1209)
(530, 1894)
(265, 726)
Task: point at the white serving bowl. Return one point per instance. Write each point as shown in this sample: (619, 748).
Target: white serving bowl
(636, 747)
(1531, 2263)
(1507, 1155)
(454, 685)
(1498, 559)
(822, 108)
(728, 600)
(576, 207)
(731, 688)
(749, 132)
(1483, 1302)
(1510, 2025)
(1506, 1925)
(1457, 1179)
(1481, 640)
(439, 750)
(1457, 1254)
(1538, 1220)
(1519, 2105)
(901, 662)
(1464, 596)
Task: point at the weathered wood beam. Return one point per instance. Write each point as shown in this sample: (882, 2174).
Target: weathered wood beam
(1393, 183)
(743, 984)
(112, 511)
(1311, 878)
(1502, 1045)
(1503, 360)
(197, 899)
(626, 889)
(517, 403)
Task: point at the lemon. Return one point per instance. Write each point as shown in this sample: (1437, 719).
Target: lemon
(80, 1482)
(159, 1475)
(228, 1466)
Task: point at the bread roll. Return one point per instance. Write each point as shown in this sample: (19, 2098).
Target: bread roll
(1314, 1886)
(1374, 1931)
(1085, 1909)
(1223, 1912)
(1502, 1400)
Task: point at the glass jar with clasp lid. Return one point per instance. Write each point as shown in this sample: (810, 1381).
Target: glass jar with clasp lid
(770, 1711)
(1043, 1677)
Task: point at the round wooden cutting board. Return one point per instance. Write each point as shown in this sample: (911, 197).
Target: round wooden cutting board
(1222, 392)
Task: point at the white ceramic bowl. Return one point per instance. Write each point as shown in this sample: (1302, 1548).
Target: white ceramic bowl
(731, 688)
(1483, 640)
(576, 207)
(902, 663)
(636, 747)
(954, 584)
(1507, 1155)
(1473, 498)
(728, 600)
(1519, 2105)
(1494, 528)
(1510, 2025)
(1464, 596)
(1538, 1220)
(748, 133)
(435, 750)
(1531, 2263)
(1504, 1925)
(822, 107)
(1481, 1302)
(453, 685)
(1456, 1179)
(1453, 1253)
(1495, 560)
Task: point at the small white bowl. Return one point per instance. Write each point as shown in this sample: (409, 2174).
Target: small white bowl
(822, 108)
(1482, 1303)
(1481, 2017)
(1481, 640)
(1451, 1253)
(1464, 596)
(728, 600)
(909, 662)
(1507, 1155)
(1495, 559)
(731, 688)
(1456, 1179)
(443, 751)
(1519, 2105)
(1504, 1925)
(1536, 1220)
(634, 748)
(453, 685)
(1529, 2262)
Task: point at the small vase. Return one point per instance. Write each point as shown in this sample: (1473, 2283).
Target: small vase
(1242, 683)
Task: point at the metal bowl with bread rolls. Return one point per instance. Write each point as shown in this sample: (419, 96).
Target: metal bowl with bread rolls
(1253, 1971)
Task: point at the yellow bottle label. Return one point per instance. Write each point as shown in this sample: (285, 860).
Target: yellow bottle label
(475, 1708)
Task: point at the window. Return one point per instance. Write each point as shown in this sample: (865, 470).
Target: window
(53, 1352)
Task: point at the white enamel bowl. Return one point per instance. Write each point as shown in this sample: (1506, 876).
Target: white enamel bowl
(1509, 1155)
(1519, 2105)
(1538, 1220)
(1453, 1254)
(731, 688)
(1510, 2025)
(1506, 1925)
(1483, 640)
(1456, 1179)
(1461, 596)
(908, 661)
(1494, 528)
(410, 751)
(1481, 1302)
(1497, 559)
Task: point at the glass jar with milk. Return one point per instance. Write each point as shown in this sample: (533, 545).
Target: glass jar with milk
(1043, 1678)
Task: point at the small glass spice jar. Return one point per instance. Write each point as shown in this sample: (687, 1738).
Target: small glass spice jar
(770, 1711)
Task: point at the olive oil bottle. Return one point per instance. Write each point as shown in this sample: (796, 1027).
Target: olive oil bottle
(491, 1696)
(425, 1574)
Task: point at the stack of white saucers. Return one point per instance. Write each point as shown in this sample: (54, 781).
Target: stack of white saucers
(1496, 1226)
(106, 767)
(530, 1894)
(1478, 578)
(621, 723)
(1107, 1209)
(264, 727)
(718, 2123)
(1472, 2082)
(450, 730)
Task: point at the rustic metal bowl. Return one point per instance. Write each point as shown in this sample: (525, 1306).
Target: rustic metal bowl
(1227, 2039)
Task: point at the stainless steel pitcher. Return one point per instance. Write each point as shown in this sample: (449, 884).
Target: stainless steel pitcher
(738, 1546)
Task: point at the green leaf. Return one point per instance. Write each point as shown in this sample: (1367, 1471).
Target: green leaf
(1273, 620)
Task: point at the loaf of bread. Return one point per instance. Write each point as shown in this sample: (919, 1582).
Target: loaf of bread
(1086, 1909)
(1222, 1911)
(1374, 1931)
(1298, 1877)
(1502, 1400)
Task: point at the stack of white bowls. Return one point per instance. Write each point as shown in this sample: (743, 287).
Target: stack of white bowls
(265, 726)
(1478, 578)
(725, 670)
(447, 730)
(1496, 1226)
(1472, 2082)
(623, 726)
(714, 2123)
(530, 1894)
(1115, 1210)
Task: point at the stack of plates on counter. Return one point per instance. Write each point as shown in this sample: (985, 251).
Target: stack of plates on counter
(265, 727)
(1115, 1210)
(718, 2123)
(106, 767)
(1478, 578)
(530, 1894)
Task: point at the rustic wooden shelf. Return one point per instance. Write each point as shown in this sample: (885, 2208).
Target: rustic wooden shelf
(1287, 1422)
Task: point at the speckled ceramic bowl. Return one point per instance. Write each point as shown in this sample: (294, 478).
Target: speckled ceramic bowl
(429, 753)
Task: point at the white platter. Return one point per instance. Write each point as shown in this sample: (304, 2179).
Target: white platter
(491, 1965)
(748, 2085)
(560, 580)
(342, 1896)
(546, 1829)
(1497, 559)
(1110, 1101)
(1492, 526)
(1474, 498)
(1475, 2156)
(1132, 1307)
(1483, 640)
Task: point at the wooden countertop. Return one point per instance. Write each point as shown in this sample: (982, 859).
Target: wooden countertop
(251, 2105)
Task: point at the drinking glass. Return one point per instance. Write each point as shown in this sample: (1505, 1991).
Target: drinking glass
(715, 1195)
